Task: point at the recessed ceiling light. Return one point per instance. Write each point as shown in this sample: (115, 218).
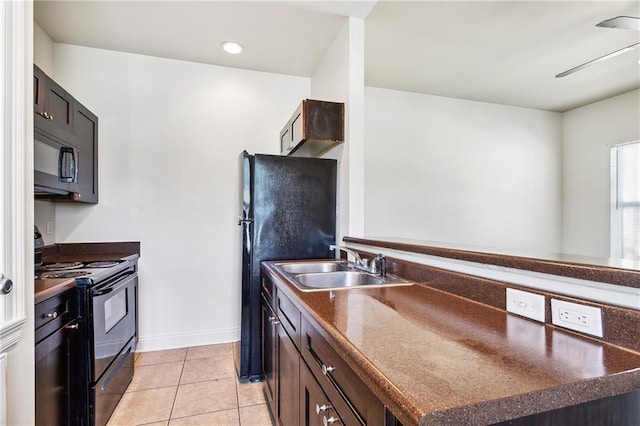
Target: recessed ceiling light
(232, 47)
(624, 22)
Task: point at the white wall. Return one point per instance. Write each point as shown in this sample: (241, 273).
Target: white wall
(450, 170)
(589, 133)
(340, 77)
(171, 133)
(44, 211)
(43, 50)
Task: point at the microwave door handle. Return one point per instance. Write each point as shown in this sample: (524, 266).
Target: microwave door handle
(67, 170)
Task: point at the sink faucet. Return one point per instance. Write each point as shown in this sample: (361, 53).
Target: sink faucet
(356, 256)
(378, 264)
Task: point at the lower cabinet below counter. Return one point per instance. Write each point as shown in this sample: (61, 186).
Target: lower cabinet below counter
(307, 381)
(56, 335)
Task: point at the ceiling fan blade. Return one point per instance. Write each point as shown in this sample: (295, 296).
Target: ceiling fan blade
(600, 59)
(623, 22)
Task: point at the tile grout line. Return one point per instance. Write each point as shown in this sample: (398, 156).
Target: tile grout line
(235, 383)
(175, 397)
(179, 384)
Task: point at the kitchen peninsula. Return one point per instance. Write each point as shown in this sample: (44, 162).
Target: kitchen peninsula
(445, 351)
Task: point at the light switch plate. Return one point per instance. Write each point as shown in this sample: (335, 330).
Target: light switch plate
(526, 304)
(574, 316)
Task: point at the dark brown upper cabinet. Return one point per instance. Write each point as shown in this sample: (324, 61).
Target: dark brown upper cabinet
(53, 106)
(315, 127)
(86, 131)
(59, 117)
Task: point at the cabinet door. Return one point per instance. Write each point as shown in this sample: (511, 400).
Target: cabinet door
(315, 407)
(86, 131)
(297, 127)
(285, 140)
(53, 106)
(269, 330)
(287, 379)
(59, 106)
(55, 390)
(39, 90)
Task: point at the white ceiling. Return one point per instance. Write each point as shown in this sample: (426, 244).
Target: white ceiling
(505, 52)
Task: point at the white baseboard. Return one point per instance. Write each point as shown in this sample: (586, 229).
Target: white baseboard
(183, 340)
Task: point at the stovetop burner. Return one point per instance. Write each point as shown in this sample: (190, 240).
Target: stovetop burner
(102, 264)
(92, 272)
(63, 266)
(66, 274)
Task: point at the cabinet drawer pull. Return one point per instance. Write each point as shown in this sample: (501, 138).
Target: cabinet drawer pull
(53, 315)
(274, 320)
(73, 327)
(329, 421)
(326, 369)
(324, 407)
(46, 115)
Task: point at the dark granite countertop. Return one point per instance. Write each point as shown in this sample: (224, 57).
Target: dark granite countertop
(437, 358)
(79, 252)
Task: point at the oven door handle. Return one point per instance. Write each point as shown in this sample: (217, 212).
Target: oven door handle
(114, 286)
(104, 291)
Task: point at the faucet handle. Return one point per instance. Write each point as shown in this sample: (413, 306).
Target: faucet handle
(383, 264)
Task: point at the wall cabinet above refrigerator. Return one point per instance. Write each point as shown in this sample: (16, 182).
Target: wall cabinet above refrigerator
(315, 127)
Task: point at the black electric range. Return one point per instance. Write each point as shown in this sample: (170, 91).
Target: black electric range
(107, 293)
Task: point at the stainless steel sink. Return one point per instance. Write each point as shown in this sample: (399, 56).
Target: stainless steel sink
(313, 267)
(316, 275)
(344, 279)
(338, 279)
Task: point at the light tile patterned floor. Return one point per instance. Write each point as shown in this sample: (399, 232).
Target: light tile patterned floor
(190, 386)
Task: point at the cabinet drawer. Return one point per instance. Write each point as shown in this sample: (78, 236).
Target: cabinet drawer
(53, 313)
(332, 372)
(289, 316)
(268, 291)
(316, 407)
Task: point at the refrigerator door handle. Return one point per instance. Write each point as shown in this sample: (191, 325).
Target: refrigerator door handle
(241, 221)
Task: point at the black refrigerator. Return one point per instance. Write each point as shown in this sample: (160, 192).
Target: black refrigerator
(288, 212)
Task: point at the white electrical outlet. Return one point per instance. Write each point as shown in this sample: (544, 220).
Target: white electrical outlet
(528, 305)
(586, 319)
(49, 227)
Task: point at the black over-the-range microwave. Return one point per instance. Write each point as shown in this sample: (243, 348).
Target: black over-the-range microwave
(55, 164)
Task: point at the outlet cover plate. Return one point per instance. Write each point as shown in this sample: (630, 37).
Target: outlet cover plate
(526, 304)
(574, 316)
